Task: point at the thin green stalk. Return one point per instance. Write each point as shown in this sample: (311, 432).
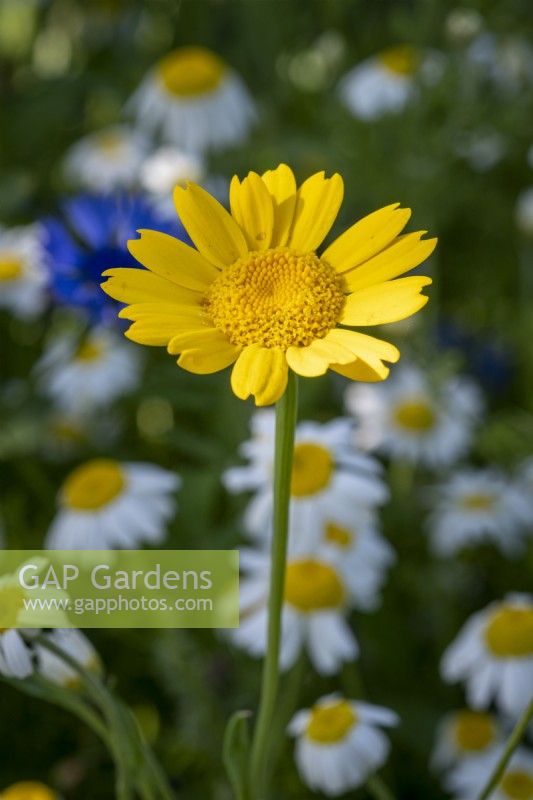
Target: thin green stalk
(286, 412)
(514, 740)
(378, 789)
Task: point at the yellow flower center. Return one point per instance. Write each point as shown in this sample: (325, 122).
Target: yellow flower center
(111, 143)
(477, 501)
(89, 351)
(400, 60)
(518, 785)
(191, 71)
(474, 730)
(28, 790)
(10, 268)
(11, 602)
(509, 633)
(330, 723)
(276, 298)
(339, 536)
(312, 586)
(93, 485)
(415, 416)
(312, 468)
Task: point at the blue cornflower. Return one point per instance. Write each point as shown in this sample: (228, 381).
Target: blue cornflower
(91, 237)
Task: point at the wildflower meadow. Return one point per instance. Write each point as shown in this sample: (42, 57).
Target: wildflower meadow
(266, 282)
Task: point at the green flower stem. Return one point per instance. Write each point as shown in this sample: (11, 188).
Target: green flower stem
(514, 740)
(286, 412)
(378, 789)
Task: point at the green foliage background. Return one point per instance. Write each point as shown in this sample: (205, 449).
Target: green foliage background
(67, 68)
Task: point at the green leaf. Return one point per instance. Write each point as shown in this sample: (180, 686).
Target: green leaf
(235, 752)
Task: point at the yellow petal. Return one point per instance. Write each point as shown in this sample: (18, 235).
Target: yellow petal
(207, 359)
(212, 229)
(367, 237)
(261, 372)
(315, 359)
(129, 285)
(196, 339)
(252, 207)
(172, 259)
(281, 184)
(365, 347)
(157, 333)
(155, 310)
(385, 302)
(360, 371)
(404, 254)
(317, 203)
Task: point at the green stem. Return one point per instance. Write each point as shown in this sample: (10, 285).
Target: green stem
(514, 740)
(286, 412)
(378, 789)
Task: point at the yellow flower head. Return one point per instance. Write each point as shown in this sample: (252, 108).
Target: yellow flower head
(256, 294)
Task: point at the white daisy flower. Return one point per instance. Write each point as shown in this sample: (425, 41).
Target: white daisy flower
(475, 506)
(81, 377)
(75, 644)
(493, 655)
(524, 212)
(352, 542)
(107, 159)
(483, 149)
(317, 597)
(23, 274)
(105, 504)
(463, 735)
(339, 743)
(506, 61)
(386, 82)
(517, 783)
(409, 418)
(166, 168)
(329, 475)
(15, 652)
(195, 101)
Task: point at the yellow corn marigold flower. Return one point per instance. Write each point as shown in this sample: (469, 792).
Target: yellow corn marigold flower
(256, 294)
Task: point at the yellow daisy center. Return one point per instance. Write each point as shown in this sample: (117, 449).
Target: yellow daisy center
(312, 469)
(518, 785)
(111, 143)
(276, 298)
(10, 269)
(11, 602)
(89, 351)
(509, 633)
(28, 790)
(312, 586)
(415, 416)
(474, 731)
(93, 485)
(331, 723)
(342, 537)
(400, 60)
(477, 501)
(191, 71)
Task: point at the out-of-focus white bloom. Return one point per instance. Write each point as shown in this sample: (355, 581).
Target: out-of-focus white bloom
(339, 743)
(386, 82)
(482, 149)
(408, 417)
(104, 504)
(524, 212)
(76, 645)
(463, 24)
(329, 475)
(506, 62)
(107, 159)
(15, 653)
(195, 101)
(493, 656)
(23, 274)
(476, 506)
(80, 377)
(464, 735)
(472, 775)
(316, 599)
